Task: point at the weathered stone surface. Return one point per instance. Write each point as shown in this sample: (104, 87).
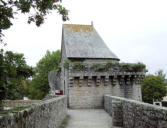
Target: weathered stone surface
(88, 97)
(45, 114)
(117, 113)
(54, 81)
(135, 114)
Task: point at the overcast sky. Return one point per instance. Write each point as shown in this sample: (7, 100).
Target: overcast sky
(135, 30)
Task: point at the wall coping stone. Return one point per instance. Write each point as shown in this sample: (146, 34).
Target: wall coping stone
(129, 113)
(137, 102)
(43, 108)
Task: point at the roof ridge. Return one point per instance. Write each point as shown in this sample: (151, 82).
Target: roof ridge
(79, 24)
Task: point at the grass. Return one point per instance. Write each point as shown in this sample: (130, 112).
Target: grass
(65, 121)
(14, 110)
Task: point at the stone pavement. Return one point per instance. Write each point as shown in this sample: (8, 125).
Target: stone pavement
(89, 118)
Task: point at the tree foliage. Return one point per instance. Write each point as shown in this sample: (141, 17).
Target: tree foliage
(36, 10)
(39, 86)
(161, 73)
(13, 71)
(153, 88)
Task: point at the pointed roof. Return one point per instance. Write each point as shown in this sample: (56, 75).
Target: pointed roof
(83, 41)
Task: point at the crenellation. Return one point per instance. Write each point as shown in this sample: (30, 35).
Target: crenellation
(71, 81)
(70, 69)
(98, 80)
(127, 81)
(141, 79)
(106, 81)
(121, 83)
(114, 80)
(89, 81)
(81, 78)
(135, 79)
(121, 80)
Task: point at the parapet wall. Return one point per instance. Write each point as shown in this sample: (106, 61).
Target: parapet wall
(128, 113)
(45, 114)
(87, 82)
(86, 89)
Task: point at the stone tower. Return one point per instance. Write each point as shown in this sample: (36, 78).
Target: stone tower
(89, 69)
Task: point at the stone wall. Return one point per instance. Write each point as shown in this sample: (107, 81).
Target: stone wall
(86, 85)
(45, 114)
(85, 88)
(18, 103)
(88, 97)
(134, 114)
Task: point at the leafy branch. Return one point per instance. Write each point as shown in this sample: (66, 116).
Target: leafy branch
(37, 11)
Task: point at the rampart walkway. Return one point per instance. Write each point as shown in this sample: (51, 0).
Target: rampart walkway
(89, 118)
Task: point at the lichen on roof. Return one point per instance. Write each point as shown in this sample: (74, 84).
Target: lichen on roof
(79, 28)
(83, 41)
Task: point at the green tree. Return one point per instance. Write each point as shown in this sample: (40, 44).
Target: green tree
(13, 71)
(37, 10)
(153, 88)
(161, 73)
(39, 86)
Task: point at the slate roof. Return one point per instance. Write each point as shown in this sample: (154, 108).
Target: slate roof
(83, 41)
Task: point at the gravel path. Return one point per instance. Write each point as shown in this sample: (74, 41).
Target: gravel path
(88, 118)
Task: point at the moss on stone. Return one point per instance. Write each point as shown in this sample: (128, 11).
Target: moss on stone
(14, 110)
(64, 122)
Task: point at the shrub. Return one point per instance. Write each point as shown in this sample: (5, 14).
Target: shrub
(126, 67)
(100, 67)
(139, 67)
(111, 63)
(133, 67)
(78, 65)
(66, 63)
